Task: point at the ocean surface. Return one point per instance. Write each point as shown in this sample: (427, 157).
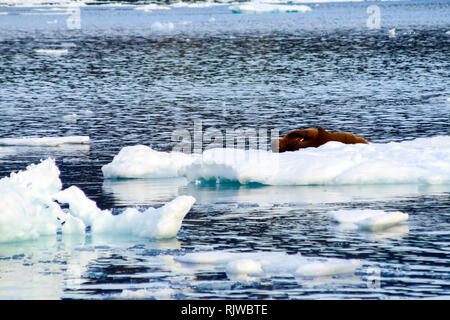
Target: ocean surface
(124, 77)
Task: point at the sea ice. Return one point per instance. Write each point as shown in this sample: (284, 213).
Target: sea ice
(264, 7)
(366, 219)
(162, 26)
(54, 52)
(29, 210)
(270, 263)
(420, 161)
(44, 141)
(143, 162)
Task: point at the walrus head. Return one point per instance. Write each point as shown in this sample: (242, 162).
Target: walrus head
(295, 140)
(299, 139)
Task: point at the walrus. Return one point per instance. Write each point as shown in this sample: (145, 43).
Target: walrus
(299, 139)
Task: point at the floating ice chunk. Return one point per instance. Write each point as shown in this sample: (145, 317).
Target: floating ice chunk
(244, 266)
(200, 4)
(163, 26)
(27, 211)
(260, 7)
(420, 161)
(270, 263)
(327, 268)
(54, 52)
(31, 3)
(88, 112)
(206, 257)
(151, 6)
(143, 162)
(373, 220)
(70, 117)
(44, 141)
(160, 223)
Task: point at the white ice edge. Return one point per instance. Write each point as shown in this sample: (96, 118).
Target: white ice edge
(44, 141)
(420, 161)
(30, 207)
(269, 263)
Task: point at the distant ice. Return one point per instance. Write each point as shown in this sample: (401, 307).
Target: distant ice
(54, 52)
(150, 7)
(374, 220)
(43, 3)
(420, 161)
(260, 264)
(88, 112)
(70, 117)
(29, 210)
(267, 7)
(163, 26)
(44, 141)
(392, 33)
(202, 4)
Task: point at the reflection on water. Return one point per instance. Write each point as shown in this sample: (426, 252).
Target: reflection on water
(144, 192)
(132, 192)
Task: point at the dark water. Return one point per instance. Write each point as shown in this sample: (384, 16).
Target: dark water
(133, 82)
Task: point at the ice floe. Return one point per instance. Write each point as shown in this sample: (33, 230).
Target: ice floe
(150, 7)
(143, 162)
(44, 141)
(30, 202)
(27, 210)
(267, 7)
(368, 219)
(162, 26)
(157, 223)
(54, 52)
(270, 263)
(420, 161)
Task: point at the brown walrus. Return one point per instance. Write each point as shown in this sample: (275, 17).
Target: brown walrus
(306, 138)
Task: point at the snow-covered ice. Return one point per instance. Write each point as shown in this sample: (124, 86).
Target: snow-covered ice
(368, 219)
(44, 141)
(420, 161)
(29, 209)
(270, 263)
(143, 162)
